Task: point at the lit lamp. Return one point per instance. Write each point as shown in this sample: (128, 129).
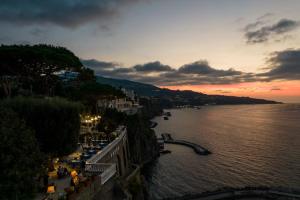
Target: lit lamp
(74, 174)
(51, 189)
(76, 180)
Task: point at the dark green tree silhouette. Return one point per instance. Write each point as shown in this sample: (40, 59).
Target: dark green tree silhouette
(20, 157)
(56, 122)
(34, 68)
(89, 92)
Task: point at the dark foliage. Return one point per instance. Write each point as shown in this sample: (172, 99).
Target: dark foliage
(20, 157)
(56, 122)
(89, 92)
(110, 120)
(86, 74)
(33, 68)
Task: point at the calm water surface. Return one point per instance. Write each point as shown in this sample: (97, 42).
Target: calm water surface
(251, 145)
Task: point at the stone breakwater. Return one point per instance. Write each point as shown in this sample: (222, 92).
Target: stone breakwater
(197, 148)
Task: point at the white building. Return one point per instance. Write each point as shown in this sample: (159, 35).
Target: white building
(120, 104)
(129, 94)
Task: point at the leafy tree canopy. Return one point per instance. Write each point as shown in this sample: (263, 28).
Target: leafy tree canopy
(20, 157)
(34, 67)
(89, 92)
(36, 60)
(56, 122)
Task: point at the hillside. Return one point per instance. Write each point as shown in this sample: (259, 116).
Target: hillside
(170, 98)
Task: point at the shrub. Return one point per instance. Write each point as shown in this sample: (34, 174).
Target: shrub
(56, 122)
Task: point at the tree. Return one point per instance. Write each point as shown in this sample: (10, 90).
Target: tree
(86, 74)
(110, 120)
(20, 157)
(56, 122)
(34, 67)
(89, 92)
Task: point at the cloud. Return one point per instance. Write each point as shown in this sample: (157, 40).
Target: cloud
(109, 69)
(153, 67)
(283, 65)
(202, 67)
(94, 64)
(66, 13)
(265, 17)
(4, 39)
(38, 32)
(222, 91)
(257, 32)
(275, 88)
(259, 22)
(159, 74)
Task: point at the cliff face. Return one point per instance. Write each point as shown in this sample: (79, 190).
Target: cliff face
(142, 139)
(142, 144)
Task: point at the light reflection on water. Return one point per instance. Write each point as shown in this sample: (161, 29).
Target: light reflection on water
(251, 145)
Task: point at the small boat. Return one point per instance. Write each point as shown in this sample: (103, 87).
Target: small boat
(166, 118)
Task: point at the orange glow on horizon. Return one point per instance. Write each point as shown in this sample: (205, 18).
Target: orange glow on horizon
(286, 91)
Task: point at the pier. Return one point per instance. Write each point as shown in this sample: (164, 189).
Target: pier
(197, 148)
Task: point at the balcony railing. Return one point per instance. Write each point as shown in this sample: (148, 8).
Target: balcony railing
(108, 173)
(105, 170)
(121, 132)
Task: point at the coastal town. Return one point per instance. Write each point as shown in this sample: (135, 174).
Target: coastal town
(68, 134)
(99, 157)
(82, 139)
(149, 100)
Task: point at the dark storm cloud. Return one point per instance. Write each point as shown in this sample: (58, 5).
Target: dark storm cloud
(65, 13)
(152, 67)
(284, 65)
(262, 34)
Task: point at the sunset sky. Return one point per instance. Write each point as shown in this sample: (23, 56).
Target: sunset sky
(228, 47)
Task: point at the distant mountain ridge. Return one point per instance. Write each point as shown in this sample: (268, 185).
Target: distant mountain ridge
(171, 98)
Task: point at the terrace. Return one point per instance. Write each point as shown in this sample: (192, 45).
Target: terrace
(85, 168)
